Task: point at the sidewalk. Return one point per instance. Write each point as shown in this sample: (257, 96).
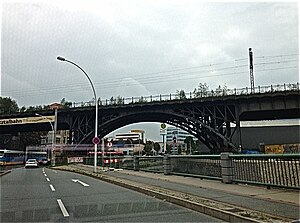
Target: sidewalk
(240, 199)
(259, 192)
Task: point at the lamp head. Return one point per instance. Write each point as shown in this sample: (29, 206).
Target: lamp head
(61, 58)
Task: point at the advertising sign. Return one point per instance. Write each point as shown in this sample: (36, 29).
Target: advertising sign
(75, 159)
(28, 120)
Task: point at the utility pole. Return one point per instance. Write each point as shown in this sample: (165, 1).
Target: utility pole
(251, 70)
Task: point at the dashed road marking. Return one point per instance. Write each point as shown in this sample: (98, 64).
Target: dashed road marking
(62, 208)
(52, 188)
(47, 179)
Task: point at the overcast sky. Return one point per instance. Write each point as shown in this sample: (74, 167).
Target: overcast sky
(134, 48)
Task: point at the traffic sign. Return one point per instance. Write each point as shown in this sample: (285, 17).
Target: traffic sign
(163, 126)
(96, 140)
(163, 132)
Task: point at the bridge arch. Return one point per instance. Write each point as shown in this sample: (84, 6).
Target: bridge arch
(215, 141)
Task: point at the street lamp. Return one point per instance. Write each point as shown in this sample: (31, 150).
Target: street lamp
(53, 138)
(96, 104)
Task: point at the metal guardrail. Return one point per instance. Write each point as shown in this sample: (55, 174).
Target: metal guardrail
(191, 95)
(273, 170)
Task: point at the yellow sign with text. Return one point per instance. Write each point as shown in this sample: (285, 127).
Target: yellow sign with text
(28, 120)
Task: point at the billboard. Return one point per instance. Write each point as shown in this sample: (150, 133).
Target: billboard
(27, 120)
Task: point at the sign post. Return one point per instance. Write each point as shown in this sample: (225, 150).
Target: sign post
(163, 132)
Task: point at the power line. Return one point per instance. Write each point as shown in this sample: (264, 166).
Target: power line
(160, 81)
(158, 77)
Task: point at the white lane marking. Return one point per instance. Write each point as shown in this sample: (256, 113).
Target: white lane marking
(62, 208)
(47, 179)
(82, 183)
(45, 175)
(52, 188)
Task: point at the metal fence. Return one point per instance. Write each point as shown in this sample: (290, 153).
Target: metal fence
(204, 166)
(280, 170)
(151, 163)
(273, 170)
(191, 95)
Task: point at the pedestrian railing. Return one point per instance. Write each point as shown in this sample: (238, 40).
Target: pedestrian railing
(274, 170)
(151, 163)
(204, 166)
(280, 170)
(191, 95)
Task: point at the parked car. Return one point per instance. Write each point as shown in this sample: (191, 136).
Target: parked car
(31, 163)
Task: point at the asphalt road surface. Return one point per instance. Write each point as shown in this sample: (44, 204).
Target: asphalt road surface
(45, 195)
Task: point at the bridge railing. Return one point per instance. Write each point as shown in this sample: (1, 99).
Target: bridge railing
(203, 166)
(272, 170)
(151, 163)
(191, 95)
(280, 170)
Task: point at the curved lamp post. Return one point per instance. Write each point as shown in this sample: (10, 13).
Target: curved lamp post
(53, 138)
(96, 104)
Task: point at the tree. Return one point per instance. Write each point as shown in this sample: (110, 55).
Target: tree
(220, 91)
(156, 147)
(120, 100)
(190, 143)
(23, 109)
(8, 106)
(179, 149)
(148, 147)
(180, 94)
(142, 100)
(65, 104)
(201, 91)
(168, 149)
(31, 139)
(112, 101)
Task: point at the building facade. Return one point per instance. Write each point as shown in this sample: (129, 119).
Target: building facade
(177, 135)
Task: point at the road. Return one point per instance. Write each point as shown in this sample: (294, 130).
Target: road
(46, 195)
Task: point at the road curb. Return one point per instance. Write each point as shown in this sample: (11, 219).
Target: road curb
(225, 215)
(4, 173)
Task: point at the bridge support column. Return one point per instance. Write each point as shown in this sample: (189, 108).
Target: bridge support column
(136, 163)
(226, 168)
(167, 165)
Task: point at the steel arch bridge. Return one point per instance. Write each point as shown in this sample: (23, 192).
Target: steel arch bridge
(213, 120)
